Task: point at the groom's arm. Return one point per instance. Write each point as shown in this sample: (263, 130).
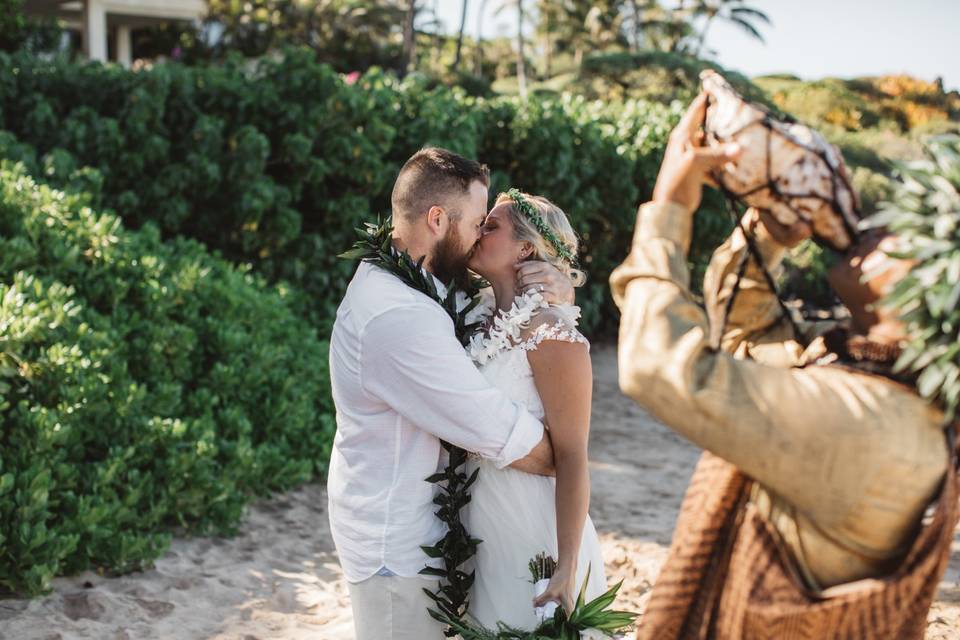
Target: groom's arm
(411, 360)
(540, 460)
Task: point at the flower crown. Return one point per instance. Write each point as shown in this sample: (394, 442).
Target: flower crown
(531, 214)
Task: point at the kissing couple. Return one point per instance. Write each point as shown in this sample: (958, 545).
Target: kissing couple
(517, 397)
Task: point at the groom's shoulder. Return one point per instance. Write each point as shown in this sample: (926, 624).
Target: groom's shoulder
(374, 292)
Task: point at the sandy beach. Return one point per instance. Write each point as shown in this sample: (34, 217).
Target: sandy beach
(280, 577)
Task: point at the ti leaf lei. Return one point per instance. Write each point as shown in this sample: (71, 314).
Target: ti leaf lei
(374, 245)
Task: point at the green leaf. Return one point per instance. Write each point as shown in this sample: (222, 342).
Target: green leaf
(6, 483)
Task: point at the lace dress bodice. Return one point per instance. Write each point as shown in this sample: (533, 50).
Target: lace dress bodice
(501, 351)
(509, 370)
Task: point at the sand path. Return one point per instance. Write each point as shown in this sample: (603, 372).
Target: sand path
(280, 577)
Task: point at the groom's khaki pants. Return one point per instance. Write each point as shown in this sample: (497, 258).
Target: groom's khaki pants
(393, 608)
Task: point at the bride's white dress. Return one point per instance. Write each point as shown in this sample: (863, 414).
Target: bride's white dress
(512, 512)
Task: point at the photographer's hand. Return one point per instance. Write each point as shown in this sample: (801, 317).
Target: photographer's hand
(686, 161)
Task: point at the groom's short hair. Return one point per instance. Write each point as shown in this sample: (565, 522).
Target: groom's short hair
(432, 177)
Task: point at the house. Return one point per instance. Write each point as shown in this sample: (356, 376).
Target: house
(99, 21)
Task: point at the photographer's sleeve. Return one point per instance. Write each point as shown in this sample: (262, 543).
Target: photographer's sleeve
(795, 430)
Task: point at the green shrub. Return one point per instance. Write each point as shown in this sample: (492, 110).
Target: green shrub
(654, 75)
(143, 386)
(805, 275)
(828, 101)
(274, 163)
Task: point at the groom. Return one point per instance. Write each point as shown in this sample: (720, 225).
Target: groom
(401, 383)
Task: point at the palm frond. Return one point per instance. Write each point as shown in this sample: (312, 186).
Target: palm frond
(748, 11)
(746, 26)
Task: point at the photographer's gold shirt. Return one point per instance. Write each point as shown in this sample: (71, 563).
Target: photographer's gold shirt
(845, 462)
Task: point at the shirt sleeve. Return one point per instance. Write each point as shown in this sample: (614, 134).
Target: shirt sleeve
(411, 360)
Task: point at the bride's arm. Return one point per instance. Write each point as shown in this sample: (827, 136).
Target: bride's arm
(564, 379)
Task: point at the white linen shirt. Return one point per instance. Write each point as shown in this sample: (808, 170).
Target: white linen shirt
(402, 382)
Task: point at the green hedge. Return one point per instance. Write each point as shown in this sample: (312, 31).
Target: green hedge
(274, 163)
(144, 386)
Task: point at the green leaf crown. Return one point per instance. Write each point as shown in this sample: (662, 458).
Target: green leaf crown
(527, 210)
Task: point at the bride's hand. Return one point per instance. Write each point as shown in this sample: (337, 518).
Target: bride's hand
(560, 590)
(546, 279)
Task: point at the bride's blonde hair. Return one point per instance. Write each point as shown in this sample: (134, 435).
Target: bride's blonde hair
(556, 220)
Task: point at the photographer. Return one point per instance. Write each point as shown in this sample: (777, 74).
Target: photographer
(820, 463)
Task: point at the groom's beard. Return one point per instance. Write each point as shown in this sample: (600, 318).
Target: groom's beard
(450, 258)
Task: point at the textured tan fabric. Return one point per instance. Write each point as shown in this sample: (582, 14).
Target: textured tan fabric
(846, 462)
(728, 576)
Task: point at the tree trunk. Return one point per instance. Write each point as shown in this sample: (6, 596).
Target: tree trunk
(463, 24)
(480, 16)
(409, 39)
(637, 23)
(437, 38)
(578, 56)
(521, 66)
(703, 35)
(548, 54)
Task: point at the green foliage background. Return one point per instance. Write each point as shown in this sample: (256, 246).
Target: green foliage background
(168, 272)
(144, 386)
(274, 163)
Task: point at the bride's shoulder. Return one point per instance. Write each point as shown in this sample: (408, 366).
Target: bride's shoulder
(556, 322)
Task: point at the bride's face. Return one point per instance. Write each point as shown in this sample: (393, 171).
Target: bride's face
(497, 251)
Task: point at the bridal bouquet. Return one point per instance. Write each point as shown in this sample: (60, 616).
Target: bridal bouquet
(588, 621)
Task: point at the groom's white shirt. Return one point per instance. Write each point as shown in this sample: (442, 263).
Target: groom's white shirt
(401, 381)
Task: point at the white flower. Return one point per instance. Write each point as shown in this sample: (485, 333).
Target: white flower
(506, 327)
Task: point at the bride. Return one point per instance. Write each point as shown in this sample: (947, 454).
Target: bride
(534, 353)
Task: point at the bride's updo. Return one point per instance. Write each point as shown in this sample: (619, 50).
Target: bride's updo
(556, 219)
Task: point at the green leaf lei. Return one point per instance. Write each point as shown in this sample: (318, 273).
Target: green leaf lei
(585, 615)
(531, 214)
(374, 245)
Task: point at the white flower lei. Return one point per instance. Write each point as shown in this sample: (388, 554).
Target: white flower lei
(506, 329)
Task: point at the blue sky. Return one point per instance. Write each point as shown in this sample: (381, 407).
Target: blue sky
(815, 38)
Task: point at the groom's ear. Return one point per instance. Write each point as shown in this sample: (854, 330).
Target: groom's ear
(437, 220)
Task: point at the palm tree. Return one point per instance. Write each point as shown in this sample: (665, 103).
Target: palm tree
(635, 21)
(463, 24)
(480, 16)
(409, 38)
(521, 65)
(734, 11)
(654, 26)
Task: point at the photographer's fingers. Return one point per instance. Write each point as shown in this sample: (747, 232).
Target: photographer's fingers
(689, 124)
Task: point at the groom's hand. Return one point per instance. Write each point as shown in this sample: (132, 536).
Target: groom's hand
(686, 162)
(536, 275)
(540, 459)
